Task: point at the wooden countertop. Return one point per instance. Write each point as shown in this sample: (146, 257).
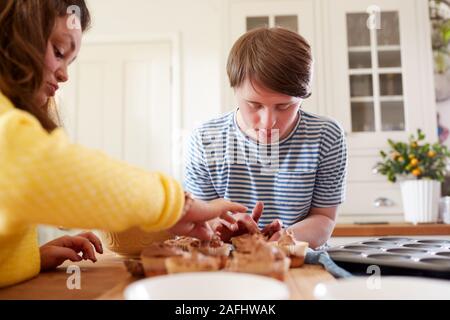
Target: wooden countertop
(106, 280)
(397, 229)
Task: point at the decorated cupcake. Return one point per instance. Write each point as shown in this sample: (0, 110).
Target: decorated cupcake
(215, 248)
(184, 243)
(246, 242)
(153, 258)
(263, 259)
(134, 267)
(195, 262)
(295, 250)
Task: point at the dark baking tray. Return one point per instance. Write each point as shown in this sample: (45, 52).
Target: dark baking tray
(396, 255)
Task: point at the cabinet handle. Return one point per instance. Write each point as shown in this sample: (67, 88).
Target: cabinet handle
(383, 202)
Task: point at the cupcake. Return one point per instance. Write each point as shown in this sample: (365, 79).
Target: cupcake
(184, 243)
(264, 260)
(247, 242)
(215, 248)
(195, 262)
(153, 258)
(134, 267)
(295, 250)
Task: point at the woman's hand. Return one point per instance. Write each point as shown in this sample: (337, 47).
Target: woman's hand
(55, 252)
(194, 222)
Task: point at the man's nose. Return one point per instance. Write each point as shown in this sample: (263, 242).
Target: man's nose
(267, 119)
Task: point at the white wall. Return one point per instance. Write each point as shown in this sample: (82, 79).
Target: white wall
(197, 22)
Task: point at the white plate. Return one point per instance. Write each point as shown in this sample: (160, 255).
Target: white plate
(207, 286)
(384, 288)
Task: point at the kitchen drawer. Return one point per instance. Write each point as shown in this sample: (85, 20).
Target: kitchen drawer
(361, 199)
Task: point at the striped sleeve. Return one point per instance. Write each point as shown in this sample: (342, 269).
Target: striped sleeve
(197, 176)
(329, 190)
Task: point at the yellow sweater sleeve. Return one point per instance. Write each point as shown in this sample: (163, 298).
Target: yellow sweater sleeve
(45, 179)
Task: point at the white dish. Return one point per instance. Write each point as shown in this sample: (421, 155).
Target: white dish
(207, 286)
(384, 288)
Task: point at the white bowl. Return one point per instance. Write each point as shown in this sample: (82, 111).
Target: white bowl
(384, 288)
(207, 286)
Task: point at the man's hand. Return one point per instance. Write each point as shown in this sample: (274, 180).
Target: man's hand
(196, 221)
(245, 224)
(273, 230)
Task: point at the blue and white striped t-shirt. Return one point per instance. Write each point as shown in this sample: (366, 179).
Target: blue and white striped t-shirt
(306, 169)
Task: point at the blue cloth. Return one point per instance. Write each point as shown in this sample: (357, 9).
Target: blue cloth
(324, 259)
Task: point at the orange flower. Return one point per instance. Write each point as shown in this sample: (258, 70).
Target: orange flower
(414, 144)
(417, 172)
(431, 154)
(400, 159)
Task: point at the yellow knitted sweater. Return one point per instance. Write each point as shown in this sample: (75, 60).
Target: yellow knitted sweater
(45, 179)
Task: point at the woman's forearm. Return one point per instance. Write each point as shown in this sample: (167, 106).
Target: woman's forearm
(48, 180)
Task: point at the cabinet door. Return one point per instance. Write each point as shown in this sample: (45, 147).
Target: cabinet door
(380, 70)
(119, 101)
(380, 86)
(296, 15)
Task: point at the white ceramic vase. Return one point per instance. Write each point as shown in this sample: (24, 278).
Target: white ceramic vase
(421, 200)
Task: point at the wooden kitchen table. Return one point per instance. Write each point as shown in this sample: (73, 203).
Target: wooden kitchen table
(106, 280)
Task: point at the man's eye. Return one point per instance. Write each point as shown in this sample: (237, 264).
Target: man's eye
(255, 106)
(284, 107)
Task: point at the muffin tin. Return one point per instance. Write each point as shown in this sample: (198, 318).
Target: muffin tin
(422, 255)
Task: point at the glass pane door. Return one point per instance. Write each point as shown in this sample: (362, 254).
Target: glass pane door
(257, 22)
(286, 21)
(375, 73)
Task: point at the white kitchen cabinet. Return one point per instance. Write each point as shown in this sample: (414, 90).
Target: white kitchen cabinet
(373, 74)
(380, 78)
(380, 86)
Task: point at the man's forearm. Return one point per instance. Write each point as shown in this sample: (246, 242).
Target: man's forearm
(316, 230)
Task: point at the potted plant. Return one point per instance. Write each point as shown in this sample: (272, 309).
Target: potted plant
(421, 169)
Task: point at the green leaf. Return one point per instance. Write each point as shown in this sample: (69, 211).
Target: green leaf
(420, 134)
(391, 143)
(446, 35)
